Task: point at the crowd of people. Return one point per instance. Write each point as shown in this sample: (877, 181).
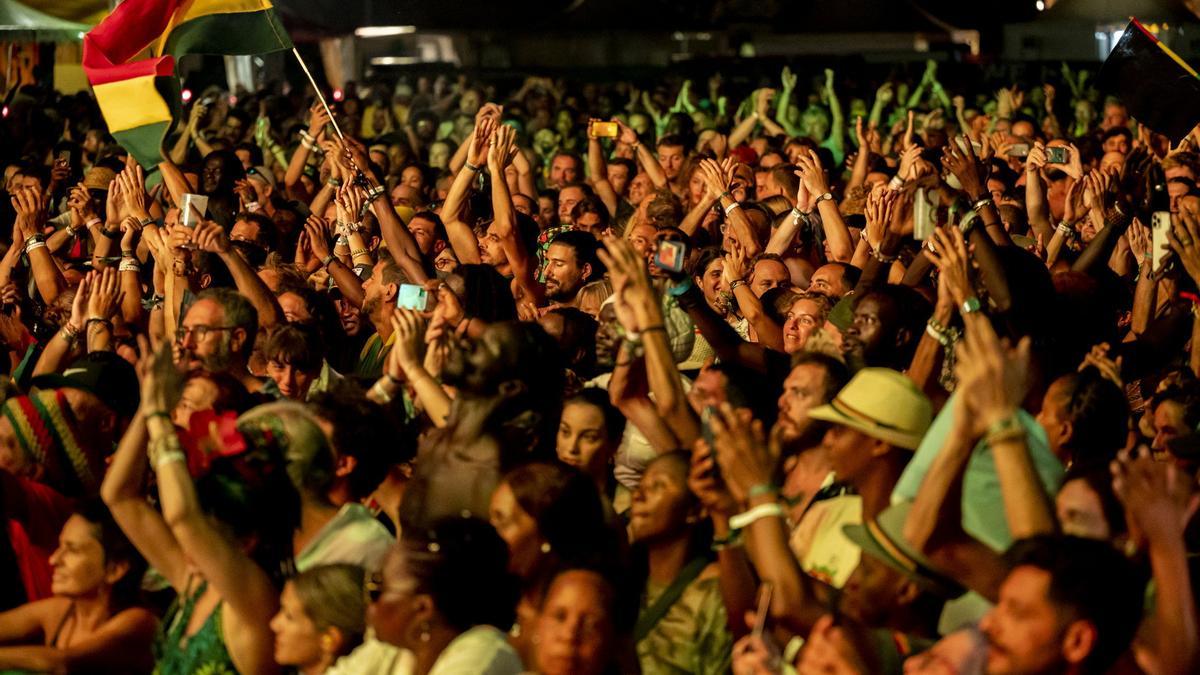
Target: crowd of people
(831, 375)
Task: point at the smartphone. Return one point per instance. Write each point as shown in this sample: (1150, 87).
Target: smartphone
(193, 209)
(924, 213)
(599, 129)
(412, 297)
(1160, 225)
(764, 605)
(1019, 150)
(1057, 154)
(706, 433)
(671, 255)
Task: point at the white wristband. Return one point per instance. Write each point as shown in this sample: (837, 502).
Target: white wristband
(743, 520)
(730, 209)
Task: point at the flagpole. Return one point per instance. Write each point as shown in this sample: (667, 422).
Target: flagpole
(320, 96)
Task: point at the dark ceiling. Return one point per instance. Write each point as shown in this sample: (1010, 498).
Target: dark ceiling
(340, 16)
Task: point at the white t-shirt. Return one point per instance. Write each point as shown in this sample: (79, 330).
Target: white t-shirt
(353, 536)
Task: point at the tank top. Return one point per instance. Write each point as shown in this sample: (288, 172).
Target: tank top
(201, 654)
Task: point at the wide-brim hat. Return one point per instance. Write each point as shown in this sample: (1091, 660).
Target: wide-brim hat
(881, 403)
(882, 537)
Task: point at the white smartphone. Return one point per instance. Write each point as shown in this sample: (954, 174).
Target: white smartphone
(1160, 224)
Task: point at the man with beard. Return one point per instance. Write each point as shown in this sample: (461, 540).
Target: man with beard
(379, 296)
(886, 327)
(217, 335)
(570, 263)
(814, 380)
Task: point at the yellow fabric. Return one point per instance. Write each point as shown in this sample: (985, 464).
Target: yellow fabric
(194, 9)
(132, 103)
(821, 546)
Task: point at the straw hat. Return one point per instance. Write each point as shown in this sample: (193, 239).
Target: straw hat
(882, 404)
(98, 178)
(883, 538)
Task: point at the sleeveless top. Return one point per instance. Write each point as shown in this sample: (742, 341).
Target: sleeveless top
(203, 653)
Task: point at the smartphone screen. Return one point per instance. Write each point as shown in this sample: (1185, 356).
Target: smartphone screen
(1056, 155)
(1160, 224)
(671, 255)
(598, 129)
(1019, 150)
(412, 297)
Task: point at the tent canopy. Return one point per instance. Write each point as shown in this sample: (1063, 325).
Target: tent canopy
(21, 23)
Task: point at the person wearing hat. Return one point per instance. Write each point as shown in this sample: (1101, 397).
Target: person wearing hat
(45, 463)
(877, 420)
(895, 585)
(890, 605)
(103, 391)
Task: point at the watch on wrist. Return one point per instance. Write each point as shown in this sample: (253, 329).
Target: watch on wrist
(828, 196)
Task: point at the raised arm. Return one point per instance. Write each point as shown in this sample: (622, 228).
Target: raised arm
(522, 262)
(1156, 500)
(1036, 207)
(462, 238)
(31, 214)
(211, 238)
(123, 493)
(644, 154)
(631, 284)
(836, 233)
(399, 240)
(598, 173)
(629, 391)
(717, 179)
(244, 587)
(741, 451)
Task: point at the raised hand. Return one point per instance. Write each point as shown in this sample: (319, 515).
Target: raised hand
(627, 135)
(1159, 498)
(409, 350)
(812, 173)
(317, 119)
(762, 101)
(318, 241)
(947, 251)
(1098, 358)
(960, 161)
(716, 180)
(993, 377)
(1183, 237)
(501, 150)
(704, 482)
(210, 237)
(736, 267)
(105, 296)
(79, 305)
(131, 228)
(878, 212)
(480, 137)
(741, 449)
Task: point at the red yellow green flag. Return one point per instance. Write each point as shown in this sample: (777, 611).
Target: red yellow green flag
(140, 98)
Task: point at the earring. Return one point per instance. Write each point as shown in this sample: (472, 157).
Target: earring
(545, 547)
(425, 636)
